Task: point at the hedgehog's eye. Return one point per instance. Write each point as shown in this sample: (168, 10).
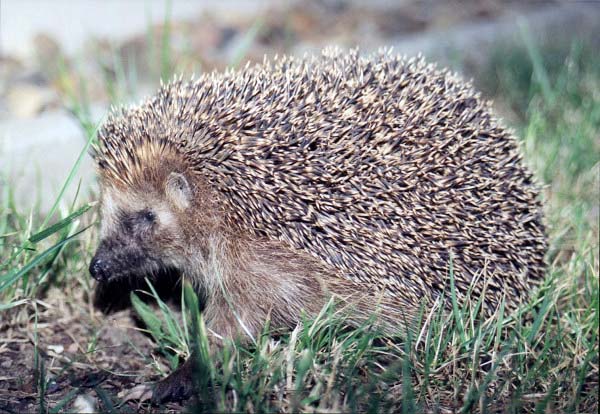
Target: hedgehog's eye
(148, 216)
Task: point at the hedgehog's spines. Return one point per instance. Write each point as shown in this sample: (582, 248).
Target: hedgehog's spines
(377, 166)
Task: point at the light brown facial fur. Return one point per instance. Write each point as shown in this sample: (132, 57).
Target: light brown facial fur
(139, 235)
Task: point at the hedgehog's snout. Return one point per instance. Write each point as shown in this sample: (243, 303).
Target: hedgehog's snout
(105, 264)
(121, 256)
(99, 269)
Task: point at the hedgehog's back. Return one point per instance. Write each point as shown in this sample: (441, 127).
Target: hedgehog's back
(384, 168)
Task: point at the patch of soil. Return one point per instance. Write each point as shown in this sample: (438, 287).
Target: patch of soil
(80, 353)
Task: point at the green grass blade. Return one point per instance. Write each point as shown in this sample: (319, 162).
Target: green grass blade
(64, 401)
(11, 277)
(70, 177)
(61, 224)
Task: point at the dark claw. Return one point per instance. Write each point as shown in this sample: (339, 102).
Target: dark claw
(177, 386)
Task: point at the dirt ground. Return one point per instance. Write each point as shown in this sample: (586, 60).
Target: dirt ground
(80, 351)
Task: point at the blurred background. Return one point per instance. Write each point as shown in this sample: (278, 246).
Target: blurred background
(63, 63)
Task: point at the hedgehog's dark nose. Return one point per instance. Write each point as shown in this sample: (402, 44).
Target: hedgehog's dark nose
(99, 269)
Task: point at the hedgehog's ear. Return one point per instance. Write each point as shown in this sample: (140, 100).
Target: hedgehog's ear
(178, 190)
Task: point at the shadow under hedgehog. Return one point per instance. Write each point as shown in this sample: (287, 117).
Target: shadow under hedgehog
(281, 185)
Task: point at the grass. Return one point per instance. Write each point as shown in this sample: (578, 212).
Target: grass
(542, 359)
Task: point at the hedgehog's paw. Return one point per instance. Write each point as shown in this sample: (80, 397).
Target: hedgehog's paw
(176, 387)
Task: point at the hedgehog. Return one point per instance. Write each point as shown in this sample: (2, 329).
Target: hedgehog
(375, 180)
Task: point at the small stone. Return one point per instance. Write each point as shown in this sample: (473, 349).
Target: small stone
(85, 403)
(27, 100)
(57, 349)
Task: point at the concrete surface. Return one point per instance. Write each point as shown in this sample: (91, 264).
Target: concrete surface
(36, 156)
